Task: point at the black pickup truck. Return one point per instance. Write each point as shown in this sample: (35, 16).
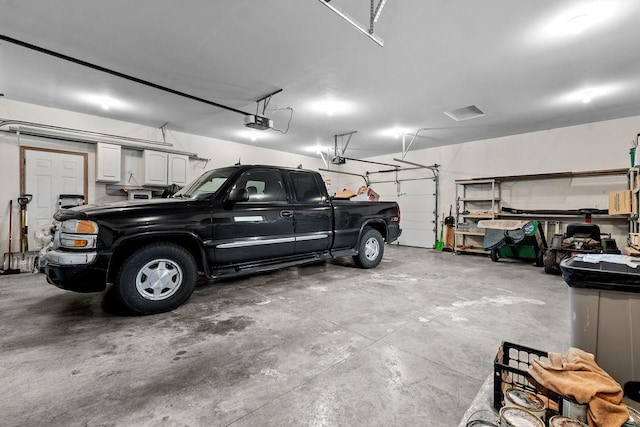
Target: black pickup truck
(229, 221)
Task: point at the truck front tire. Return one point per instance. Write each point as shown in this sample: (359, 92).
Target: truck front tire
(370, 249)
(156, 278)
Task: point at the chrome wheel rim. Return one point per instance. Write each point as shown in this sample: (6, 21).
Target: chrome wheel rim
(371, 249)
(159, 279)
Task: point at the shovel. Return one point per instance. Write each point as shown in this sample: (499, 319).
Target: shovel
(10, 270)
(450, 220)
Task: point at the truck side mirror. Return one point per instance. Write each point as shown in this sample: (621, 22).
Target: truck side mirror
(237, 195)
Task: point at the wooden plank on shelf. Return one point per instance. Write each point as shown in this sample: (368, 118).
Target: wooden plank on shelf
(472, 215)
(470, 233)
(629, 251)
(471, 249)
(595, 216)
(479, 199)
(553, 175)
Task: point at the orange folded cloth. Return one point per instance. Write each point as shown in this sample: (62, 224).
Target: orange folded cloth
(576, 375)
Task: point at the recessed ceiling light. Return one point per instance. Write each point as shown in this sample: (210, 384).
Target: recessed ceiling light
(331, 106)
(591, 93)
(105, 102)
(578, 18)
(316, 149)
(252, 135)
(394, 132)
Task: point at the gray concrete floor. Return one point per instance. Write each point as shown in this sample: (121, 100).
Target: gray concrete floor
(408, 343)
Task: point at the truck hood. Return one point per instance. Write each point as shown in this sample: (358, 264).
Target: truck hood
(115, 208)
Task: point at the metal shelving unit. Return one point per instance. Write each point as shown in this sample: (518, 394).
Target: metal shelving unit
(484, 194)
(476, 200)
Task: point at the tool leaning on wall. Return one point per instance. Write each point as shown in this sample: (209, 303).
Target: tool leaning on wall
(23, 201)
(449, 223)
(440, 243)
(10, 270)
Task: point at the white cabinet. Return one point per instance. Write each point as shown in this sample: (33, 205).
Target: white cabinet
(161, 169)
(155, 168)
(108, 159)
(177, 171)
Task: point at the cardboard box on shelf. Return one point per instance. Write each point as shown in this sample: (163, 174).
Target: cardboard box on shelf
(620, 202)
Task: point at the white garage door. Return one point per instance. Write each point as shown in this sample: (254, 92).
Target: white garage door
(417, 203)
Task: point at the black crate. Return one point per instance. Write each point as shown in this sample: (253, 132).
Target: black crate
(510, 370)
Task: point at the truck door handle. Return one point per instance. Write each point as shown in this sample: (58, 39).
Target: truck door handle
(286, 214)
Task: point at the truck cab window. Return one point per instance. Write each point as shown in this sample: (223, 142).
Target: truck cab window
(305, 187)
(262, 186)
(206, 185)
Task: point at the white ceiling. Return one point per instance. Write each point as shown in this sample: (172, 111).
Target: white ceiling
(515, 59)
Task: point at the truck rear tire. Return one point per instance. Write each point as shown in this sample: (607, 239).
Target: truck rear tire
(370, 249)
(156, 278)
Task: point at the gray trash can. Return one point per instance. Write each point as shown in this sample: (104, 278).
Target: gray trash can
(604, 298)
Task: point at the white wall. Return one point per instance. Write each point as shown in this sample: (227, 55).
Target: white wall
(595, 146)
(222, 153)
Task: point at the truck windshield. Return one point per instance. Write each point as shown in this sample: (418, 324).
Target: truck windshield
(206, 185)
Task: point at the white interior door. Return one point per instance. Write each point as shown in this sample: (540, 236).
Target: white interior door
(417, 204)
(48, 174)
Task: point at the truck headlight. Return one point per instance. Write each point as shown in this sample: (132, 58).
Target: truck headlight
(78, 234)
(80, 226)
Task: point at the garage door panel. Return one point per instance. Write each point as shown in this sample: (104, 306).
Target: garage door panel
(417, 204)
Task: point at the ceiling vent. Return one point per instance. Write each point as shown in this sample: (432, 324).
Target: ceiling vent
(465, 113)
